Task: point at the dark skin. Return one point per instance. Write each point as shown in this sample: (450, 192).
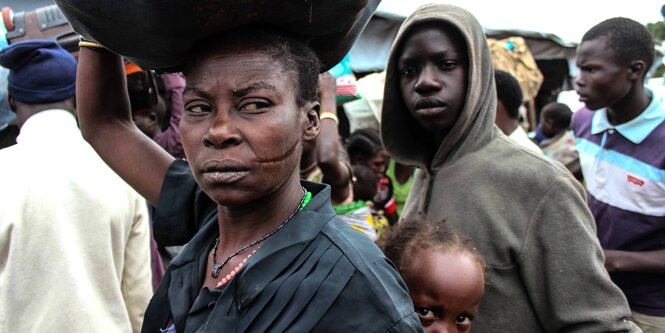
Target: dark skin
(506, 124)
(106, 123)
(626, 261)
(24, 111)
(576, 169)
(378, 163)
(446, 287)
(325, 150)
(433, 69)
(607, 82)
(403, 172)
(148, 121)
(242, 133)
(550, 130)
(547, 126)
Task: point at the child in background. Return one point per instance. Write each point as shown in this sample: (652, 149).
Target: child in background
(364, 148)
(559, 140)
(509, 100)
(444, 274)
(365, 182)
(360, 213)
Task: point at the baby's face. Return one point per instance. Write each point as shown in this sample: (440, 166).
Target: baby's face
(547, 126)
(445, 287)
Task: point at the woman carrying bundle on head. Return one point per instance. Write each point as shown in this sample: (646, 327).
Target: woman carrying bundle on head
(266, 252)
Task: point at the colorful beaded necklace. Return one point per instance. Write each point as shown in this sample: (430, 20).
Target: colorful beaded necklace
(216, 267)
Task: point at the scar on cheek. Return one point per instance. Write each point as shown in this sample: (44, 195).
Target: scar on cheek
(279, 157)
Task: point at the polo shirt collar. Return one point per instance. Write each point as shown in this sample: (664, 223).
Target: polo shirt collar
(635, 130)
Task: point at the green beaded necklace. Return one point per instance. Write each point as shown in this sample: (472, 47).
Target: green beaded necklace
(216, 267)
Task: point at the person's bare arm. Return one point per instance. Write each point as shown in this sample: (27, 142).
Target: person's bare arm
(174, 84)
(335, 172)
(627, 261)
(576, 169)
(105, 118)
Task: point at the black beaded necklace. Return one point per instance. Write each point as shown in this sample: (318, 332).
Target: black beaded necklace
(216, 267)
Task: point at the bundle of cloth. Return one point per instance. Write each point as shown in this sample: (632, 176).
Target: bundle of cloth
(160, 34)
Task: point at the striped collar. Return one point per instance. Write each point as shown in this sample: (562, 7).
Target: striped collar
(635, 130)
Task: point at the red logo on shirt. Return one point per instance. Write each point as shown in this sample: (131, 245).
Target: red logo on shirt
(635, 181)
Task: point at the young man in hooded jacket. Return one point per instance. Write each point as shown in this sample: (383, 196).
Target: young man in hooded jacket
(526, 214)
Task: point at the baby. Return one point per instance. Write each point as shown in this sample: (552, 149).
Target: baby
(443, 272)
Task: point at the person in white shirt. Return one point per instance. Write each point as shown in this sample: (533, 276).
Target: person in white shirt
(74, 237)
(509, 100)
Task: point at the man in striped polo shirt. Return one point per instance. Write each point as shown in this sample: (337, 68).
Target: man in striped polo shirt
(621, 137)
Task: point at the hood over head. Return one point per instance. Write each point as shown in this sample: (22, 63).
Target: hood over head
(402, 136)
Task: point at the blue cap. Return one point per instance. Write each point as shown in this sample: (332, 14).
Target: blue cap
(40, 71)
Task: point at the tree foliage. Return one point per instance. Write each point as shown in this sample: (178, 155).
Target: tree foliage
(657, 30)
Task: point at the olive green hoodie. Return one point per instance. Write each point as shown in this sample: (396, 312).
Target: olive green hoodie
(526, 214)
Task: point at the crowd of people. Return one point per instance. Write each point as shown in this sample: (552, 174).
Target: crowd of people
(225, 198)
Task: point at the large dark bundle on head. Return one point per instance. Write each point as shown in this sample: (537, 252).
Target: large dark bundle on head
(159, 35)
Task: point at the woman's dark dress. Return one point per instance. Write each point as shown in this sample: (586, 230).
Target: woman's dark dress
(314, 275)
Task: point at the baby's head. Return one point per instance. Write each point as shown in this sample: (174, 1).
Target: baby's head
(554, 119)
(444, 274)
(365, 148)
(365, 182)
